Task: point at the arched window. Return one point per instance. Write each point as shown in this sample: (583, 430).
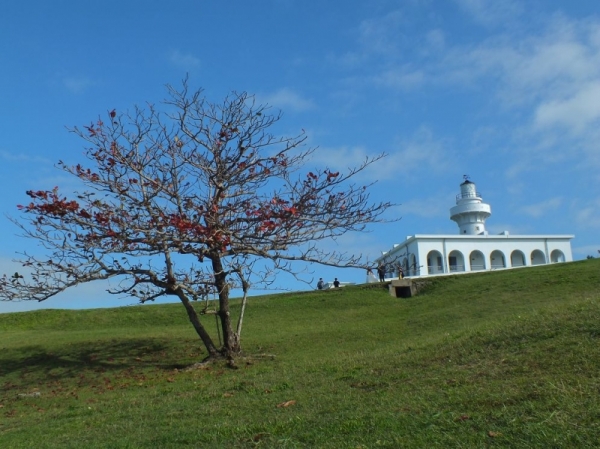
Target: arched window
(497, 260)
(517, 259)
(456, 261)
(435, 262)
(413, 269)
(557, 256)
(538, 258)
(477, 261)
(405, 266)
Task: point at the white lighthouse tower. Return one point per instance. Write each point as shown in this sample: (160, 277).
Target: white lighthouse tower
(470, 211)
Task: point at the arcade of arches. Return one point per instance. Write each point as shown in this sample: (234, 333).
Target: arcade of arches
(475, 261)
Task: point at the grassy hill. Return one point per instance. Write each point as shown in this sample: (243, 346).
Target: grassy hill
(500, 359)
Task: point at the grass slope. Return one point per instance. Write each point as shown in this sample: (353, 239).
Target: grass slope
(500, 359)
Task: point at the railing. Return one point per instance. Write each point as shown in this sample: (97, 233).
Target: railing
(461, 196)
(457, 268)
(435, 269)
(414, 271)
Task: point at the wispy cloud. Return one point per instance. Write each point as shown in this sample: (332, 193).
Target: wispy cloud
(514, 229)
(77, 85)
(435, 39)
(589, 250)
(556, 60)
(490, 12)
(575, 113)
(405, 77)
(423, 152)
(406, 159)
(588, 214)
(287, 99)
(184, 60)
(431, 207)
(340, 158)
(552, 73)
(21, 157)
(539, 209)
(382, 35)
(377, 37)
(547, 75)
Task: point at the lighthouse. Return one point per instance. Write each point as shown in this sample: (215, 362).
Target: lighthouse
(473, 249)
(470, 211)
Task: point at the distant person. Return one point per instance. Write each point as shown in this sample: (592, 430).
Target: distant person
(336, 283)
(381, 273)
(369, 272)
(320, 284)
(400, 272)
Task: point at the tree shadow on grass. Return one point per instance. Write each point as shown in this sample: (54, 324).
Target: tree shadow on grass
(73, 359)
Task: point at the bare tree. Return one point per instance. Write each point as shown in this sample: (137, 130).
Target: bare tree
(201, 198)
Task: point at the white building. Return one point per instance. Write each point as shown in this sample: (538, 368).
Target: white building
(472, 249)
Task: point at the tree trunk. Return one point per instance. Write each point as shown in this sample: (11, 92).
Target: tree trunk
(200, 330)
(238, 332)
(231, 345)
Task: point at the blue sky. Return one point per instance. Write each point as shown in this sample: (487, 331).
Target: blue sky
(505, 91)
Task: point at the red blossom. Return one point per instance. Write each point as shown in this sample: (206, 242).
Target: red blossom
(91, 130)
(331, 176)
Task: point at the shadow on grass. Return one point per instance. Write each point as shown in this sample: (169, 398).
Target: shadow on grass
(72, 359)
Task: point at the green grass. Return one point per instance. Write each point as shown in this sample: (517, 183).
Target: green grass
(502, 359)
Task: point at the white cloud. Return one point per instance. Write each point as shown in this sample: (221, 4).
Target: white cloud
(419, 154)
(287, 99)
(405, 77)
(340, 158)
(588, 250)
(553, 62)
(589, 217)
(185, 60)
(381, 35)
(432, 207)
(546, 81)
(539, 209)
(20, 157)
(575, 113)
(355, 243)
(435, 39)
(422, 153)
(490, 12)
(378, 37)
(584, 211)
(67, 184)
(77, 85)
(538, 76)
(497, 228)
